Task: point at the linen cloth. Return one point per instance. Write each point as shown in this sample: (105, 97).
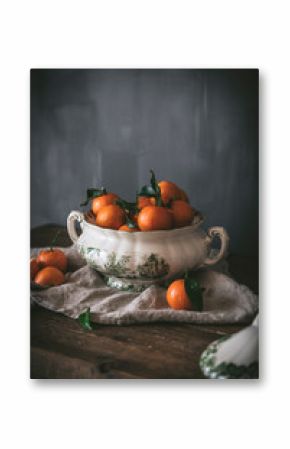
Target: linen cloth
(225, 301)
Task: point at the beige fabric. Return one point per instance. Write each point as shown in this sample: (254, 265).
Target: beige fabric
(225, 301)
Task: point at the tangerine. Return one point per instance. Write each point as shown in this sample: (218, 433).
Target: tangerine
(154, 218)
(110, 216)
(169, 191)
(144, 201)
(52, 258)
(128, 229)
(104, 200)
(176, 296)
(49, 276)
(34, 268)
(182, 212)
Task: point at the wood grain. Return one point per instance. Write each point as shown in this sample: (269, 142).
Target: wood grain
(62, 349)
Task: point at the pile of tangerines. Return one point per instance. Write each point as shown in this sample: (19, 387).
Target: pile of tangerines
(49, 267)
(159, 206)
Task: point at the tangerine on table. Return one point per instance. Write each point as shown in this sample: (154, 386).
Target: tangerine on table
(49, 276)
(128, 229)
(183, 213)
(52, 258)
(154, 218)
(110, 216)
(177, 297)
(34, 268)
(101, 201)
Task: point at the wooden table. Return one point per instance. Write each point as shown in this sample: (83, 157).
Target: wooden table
(61, 349)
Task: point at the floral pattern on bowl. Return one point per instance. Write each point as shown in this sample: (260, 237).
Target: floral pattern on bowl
(141, 259)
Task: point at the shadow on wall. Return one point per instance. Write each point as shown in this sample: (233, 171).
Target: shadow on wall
(198, 128)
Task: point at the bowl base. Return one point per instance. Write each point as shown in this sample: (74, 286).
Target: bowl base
(127, 284)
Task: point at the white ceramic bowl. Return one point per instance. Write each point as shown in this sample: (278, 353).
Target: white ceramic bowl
(133, 261)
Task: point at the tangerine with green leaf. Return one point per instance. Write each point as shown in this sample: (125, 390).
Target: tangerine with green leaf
(103, 200)
(52, 257)
(151, 192)
(185, 294)
(176, 296)
(130, 210)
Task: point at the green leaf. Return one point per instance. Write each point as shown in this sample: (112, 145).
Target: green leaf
(93, 193)
(85, 321)
(155, 186)
(128, 208)
(54, 240)
(130, 223)
(194, 292)
(146, 191)
(153, 181)
(170, 202)
(152, 190)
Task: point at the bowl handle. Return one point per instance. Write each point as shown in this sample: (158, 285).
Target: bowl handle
(224, 238)
(71, 221)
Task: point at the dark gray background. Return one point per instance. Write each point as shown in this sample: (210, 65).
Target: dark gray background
(198, 128)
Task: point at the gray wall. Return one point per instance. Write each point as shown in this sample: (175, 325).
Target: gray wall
(198, 128)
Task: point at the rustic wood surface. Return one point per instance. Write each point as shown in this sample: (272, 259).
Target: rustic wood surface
(61, 349)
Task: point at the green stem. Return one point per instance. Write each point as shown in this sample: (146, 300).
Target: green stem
(156, 188)
(53, 242)
(158, 197)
